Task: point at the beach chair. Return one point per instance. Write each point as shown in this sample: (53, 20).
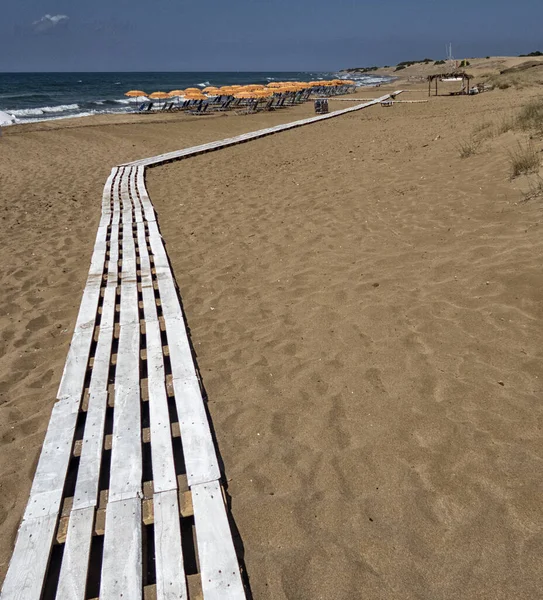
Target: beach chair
(225, 105)
(201, 110)
(146, 109)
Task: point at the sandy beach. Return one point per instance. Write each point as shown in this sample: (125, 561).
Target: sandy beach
(365, 307)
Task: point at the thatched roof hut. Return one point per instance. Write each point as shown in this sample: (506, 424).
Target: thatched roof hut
(451, 76)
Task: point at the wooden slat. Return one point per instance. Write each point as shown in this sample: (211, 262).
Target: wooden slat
(198, 448)
(129, 285)
(161, 438)
(86, 490)
(170, 575)
(126, 454)
(147, 287)
(133, 187)
(144, 197)
(116, 214)
(122, 559)
(221, 579)
(125, 197)
(73, 377)
(180, 353)
(26, 574)
(170, 572)
(75, 560)
(106, 195)
(48, 483)
(178, 342)
(102, 358)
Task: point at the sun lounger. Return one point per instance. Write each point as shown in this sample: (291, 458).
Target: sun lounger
(146, 108)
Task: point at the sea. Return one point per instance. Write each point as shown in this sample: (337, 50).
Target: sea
(32, 97)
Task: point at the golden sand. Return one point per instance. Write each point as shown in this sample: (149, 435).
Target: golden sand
(366, 310)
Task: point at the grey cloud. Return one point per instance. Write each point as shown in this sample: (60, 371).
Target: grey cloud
(48, 22)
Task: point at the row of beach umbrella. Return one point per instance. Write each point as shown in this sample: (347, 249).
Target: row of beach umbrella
(239, 91)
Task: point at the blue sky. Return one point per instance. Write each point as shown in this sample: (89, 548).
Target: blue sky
(246, 35)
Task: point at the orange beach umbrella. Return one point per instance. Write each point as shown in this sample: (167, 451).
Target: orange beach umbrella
(195, 96)
(135, 93)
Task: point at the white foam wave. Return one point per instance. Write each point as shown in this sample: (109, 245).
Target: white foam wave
(43, 110)
(204, 84)
(59, 118)
(124, 101)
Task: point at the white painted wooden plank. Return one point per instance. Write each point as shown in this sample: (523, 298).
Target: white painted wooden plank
(161, 439)
(221, 579)
(156, 242)
(117, 198)
(129, 285)
(147, 288)
(98, 255)
(106, 195)
(144, 196)
(48, 483)
(170, 572)
(75, 560)
(122, 559)
(133, 186)
(26, 574)
(102, 358)
(178, 343)
(179, 348)
(198, 448)
(164, 478)
(126, 453)
(75, 368)
(125, 197)
(169, 300)
(88, 475)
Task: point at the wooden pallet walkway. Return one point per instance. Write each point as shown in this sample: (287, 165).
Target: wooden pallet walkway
(253, 135)
(131, 429)
(126, 501)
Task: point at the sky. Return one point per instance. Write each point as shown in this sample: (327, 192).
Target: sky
(257, 35)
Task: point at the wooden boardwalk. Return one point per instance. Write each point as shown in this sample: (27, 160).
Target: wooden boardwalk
(127, 500)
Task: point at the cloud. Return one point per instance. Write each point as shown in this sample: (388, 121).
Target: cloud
(48, 22)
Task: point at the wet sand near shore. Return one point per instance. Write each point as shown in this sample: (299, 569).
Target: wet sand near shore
(365, 306)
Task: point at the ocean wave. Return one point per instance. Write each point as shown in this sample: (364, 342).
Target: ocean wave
(43, 110)
(204, 84)
(56, 118)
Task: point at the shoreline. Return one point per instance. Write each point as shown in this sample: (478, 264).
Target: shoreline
(92, 99)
